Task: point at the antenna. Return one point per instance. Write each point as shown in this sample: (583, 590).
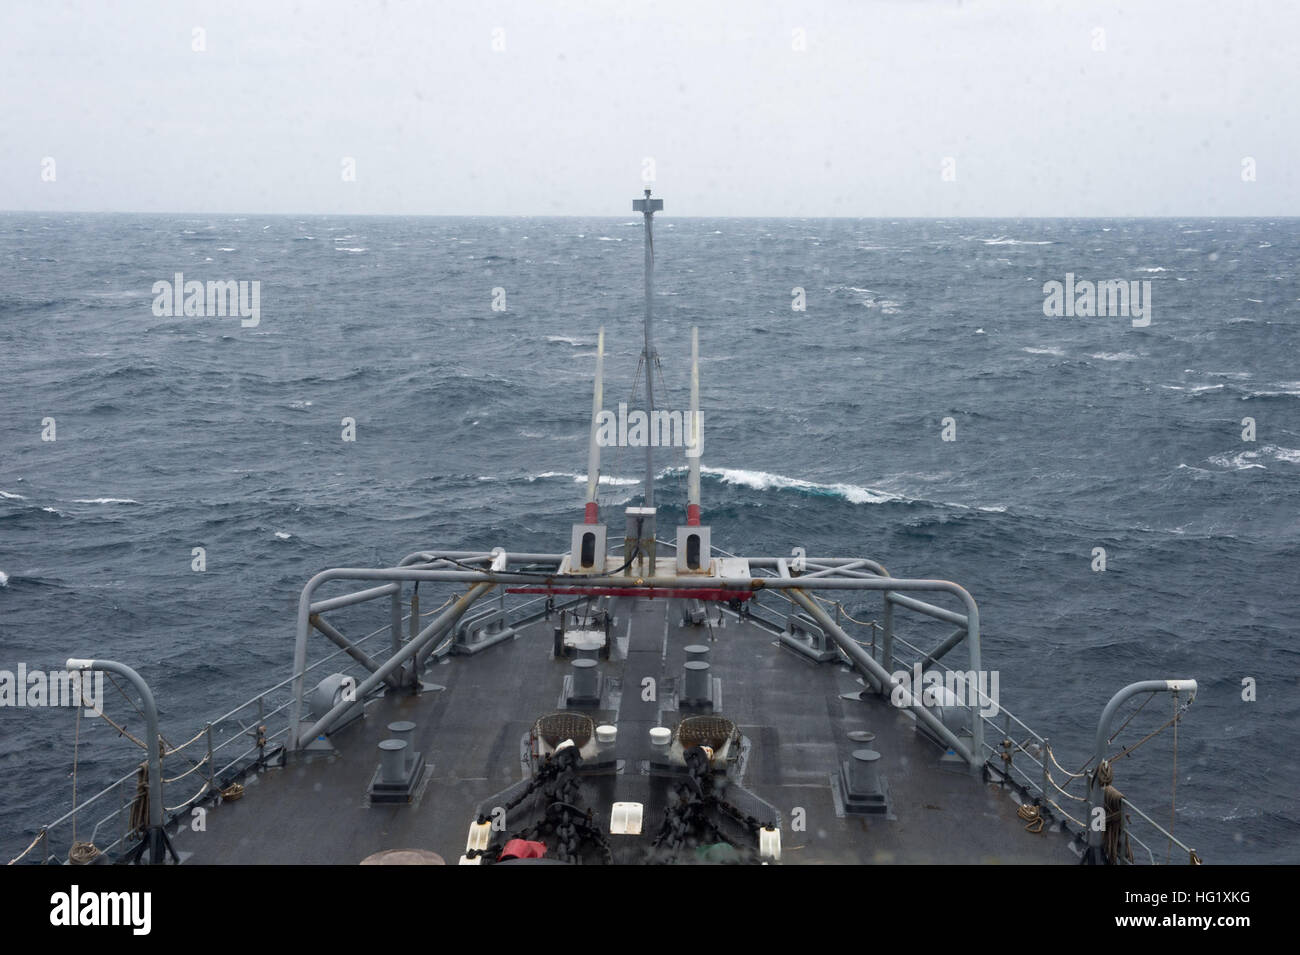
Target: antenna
(648, 207)
(588, 550)
(693, 436)
(593, 449)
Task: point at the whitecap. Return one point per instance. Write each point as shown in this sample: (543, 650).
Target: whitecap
(765, 480)
(12, 497)
(4, 579)
(1284, 389)
(1240, 462)
(103, 500)
(282, 535)
(1245, 460)
(1053, 351)
(1003, 240)
(1114, 356)
(581, 478)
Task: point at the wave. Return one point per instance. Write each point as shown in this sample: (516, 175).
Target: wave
(12, 497)
(853, 493)
(1003, 240)
(1114, 356)
(579, 478)
(103, 500)
(1284, 389)
(1245, 460)
(4, 579)
(562, 340)
(766, 481)
(1053, 351)
(1235, 375)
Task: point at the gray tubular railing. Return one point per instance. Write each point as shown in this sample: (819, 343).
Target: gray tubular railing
(1038, 780)
(48, 840)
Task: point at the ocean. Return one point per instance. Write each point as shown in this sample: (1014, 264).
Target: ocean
(921, 409)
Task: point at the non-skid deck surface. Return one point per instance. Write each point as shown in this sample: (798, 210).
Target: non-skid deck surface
(791, 710)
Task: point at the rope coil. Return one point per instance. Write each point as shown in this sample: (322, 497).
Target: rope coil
(1034, 816)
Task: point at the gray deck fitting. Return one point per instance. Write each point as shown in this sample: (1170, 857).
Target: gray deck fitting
(860, 787)
(582, 685)
(397, 780)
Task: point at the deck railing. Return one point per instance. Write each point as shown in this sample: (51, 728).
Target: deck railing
(226, 748)
(1043, 784)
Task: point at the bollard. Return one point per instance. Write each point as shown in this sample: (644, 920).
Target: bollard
(404, 730)
(392, 761)
(698, 682)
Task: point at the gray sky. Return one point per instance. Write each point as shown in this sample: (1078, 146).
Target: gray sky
(738, 121)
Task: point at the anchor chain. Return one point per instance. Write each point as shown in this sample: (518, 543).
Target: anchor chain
(566, 826)
(686, 817)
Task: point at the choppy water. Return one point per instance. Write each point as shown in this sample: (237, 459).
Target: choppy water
(823, 429)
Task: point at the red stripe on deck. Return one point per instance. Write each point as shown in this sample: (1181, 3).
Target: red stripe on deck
(691, 593)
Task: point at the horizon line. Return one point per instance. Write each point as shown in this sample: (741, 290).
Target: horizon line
(525, 215)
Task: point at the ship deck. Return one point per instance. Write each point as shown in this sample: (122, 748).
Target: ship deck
(793, 713)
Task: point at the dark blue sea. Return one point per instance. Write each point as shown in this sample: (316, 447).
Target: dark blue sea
(823, 429)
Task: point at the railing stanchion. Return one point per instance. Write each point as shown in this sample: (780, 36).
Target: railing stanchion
(1046, 773)
(395, 625)
(261, 731)
(887, 641)
(211, 765)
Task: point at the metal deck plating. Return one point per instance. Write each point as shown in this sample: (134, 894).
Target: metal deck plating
(794, 714)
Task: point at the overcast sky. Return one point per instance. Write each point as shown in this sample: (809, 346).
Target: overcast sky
(543, 107)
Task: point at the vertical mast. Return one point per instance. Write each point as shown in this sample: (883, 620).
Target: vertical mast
(693, 436)
(593, 449)
(648, 207)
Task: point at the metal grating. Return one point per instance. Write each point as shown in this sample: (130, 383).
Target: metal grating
(712, 731)
(558, 727)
